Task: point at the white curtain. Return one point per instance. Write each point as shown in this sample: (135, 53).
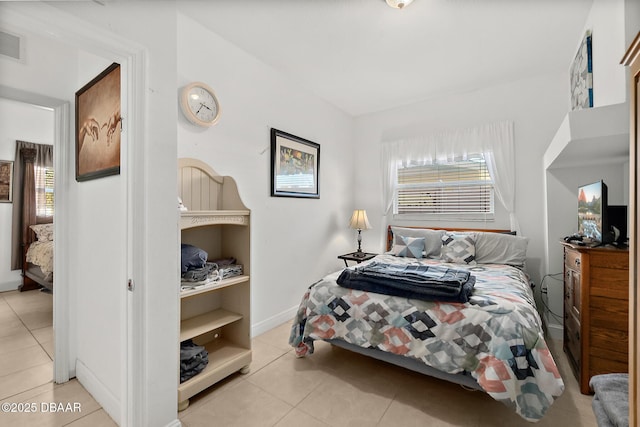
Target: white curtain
(494, 141)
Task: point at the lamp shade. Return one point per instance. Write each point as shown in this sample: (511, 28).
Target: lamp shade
(398, 4)
(359, 220)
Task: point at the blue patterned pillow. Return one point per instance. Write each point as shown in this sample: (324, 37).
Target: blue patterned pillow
(459, 248)
(411, 247)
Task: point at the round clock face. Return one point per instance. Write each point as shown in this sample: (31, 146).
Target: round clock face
(200, 104)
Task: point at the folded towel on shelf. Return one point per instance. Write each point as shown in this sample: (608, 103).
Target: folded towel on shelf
(224, 262)
(230, 271)
(209, 274)
(199, 274)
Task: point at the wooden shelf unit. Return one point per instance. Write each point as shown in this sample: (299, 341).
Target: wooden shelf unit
(215, 315)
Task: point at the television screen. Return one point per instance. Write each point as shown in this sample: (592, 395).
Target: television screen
(592, 210)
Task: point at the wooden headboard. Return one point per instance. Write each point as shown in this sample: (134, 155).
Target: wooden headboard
(484, 230)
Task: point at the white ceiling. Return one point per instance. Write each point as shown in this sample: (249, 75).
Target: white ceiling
(363, 56)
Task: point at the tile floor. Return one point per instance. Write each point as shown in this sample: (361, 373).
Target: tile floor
(336, 387)
(26, 367)
(333, 387)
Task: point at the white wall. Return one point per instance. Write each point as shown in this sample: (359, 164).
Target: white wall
(606, 21)
(97, 258)
(536, 106)
(155, 218)
(294, 242)
(51, 68)
(98, 244)
(24, 122)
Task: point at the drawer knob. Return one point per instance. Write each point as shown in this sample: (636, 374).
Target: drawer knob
(577, 262)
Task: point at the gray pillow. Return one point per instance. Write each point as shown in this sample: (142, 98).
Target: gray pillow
(432, 239)
(497, 248)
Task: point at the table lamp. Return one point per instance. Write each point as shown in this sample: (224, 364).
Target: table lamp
(359, 221)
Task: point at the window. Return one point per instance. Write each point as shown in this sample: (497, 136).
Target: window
(460, 188)
(44, 191)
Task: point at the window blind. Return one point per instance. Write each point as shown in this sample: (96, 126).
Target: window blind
(44, 178)
(458, 187)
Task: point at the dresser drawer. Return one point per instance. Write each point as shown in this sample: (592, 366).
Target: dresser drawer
(618, 260)
(572, 259)
(572, 339)
(610, 283)
(599, 366)
(611, 345)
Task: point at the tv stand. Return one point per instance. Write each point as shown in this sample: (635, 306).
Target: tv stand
(616, 245)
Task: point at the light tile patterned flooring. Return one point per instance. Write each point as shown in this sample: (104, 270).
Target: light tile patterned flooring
(332, 387)
(26, 367)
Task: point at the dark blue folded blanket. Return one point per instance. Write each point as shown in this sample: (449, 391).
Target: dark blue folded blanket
(192, 257)
(434, 283)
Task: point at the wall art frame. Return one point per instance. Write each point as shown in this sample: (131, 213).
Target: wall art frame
(6, 181)
(295, 166)
(98, 126)
(581, 75)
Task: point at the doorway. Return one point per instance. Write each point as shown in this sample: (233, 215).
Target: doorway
(59, 110)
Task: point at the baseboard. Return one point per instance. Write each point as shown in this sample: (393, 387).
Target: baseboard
(10, 285)
(174, 423)
(270, 323)
(555, 332)
(100, 393)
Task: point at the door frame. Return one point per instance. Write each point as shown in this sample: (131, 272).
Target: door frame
(50, 22)
(61, 368)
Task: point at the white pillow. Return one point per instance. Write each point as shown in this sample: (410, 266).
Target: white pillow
(432, 239)
(44, 232)
(459, 248)
(498, 248)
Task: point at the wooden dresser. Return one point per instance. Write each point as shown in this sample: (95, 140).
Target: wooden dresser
(596, 311)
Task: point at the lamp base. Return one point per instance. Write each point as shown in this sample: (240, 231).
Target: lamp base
(359, 254)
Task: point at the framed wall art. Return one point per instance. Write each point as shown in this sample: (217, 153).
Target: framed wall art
(295, 166)
(582, 76)
(98, 126)
(6, 181)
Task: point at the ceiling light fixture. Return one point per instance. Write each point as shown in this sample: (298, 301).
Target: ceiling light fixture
(398, 4)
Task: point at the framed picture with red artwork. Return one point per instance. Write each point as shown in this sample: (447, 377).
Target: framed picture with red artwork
(98, 126)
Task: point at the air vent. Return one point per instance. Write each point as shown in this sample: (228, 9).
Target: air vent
(9, 45)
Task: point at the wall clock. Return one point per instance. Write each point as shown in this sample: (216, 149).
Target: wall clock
(199, 104)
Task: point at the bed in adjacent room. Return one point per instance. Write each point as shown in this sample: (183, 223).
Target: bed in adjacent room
(38, 262)
(455, 305)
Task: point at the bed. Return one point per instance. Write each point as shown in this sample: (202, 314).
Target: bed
(38, 261)
(493, 342)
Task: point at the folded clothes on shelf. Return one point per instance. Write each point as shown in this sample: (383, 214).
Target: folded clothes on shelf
(230, 271)
(193, 359)
(212, 272)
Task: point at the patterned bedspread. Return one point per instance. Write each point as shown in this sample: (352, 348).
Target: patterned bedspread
(497, 336)
(41, 254)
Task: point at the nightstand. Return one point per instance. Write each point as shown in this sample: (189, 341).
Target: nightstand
(351, 257)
